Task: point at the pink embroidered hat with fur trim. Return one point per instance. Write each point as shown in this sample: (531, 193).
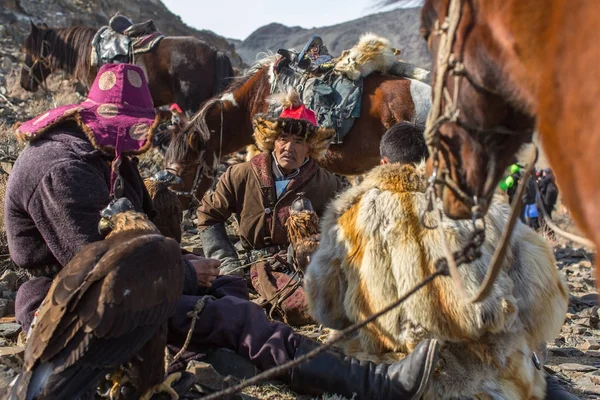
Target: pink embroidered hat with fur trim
(118, 116)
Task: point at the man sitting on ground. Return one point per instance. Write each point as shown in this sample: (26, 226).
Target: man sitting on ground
(374, 249)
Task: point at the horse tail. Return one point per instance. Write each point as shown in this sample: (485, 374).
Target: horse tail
(223, 72)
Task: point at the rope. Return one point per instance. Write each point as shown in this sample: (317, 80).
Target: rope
(496, 263)
(567, 235)
(276, 371)
(194, 314)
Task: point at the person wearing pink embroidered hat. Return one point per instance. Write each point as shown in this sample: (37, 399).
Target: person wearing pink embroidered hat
(77, 162)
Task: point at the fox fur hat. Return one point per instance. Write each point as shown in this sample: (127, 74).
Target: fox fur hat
(295, 119)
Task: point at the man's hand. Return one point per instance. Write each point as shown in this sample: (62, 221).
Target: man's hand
(207, 269)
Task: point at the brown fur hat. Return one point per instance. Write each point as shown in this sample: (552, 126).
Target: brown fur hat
(295, 119)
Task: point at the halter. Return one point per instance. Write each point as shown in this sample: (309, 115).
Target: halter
(203, 170)
(449, 63)
(45, 62)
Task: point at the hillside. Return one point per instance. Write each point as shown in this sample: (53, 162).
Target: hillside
(400, 26)
(15, 15)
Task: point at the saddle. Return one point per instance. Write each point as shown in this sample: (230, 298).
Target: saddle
(121, 39)
(333, 97)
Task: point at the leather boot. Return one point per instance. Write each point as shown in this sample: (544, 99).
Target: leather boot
(331, 372)
(554, 390)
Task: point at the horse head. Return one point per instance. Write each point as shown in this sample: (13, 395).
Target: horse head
(36, 66)
(475, 124)
(187, 146)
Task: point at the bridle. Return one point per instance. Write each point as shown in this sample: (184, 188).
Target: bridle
(450, 63)
(203, 170)
(42, 61)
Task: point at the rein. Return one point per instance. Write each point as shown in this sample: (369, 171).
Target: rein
(448, 63)
(45, 62)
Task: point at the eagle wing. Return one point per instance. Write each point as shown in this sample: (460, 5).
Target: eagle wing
(103, 307)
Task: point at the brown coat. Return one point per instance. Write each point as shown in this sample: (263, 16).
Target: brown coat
(248, 191)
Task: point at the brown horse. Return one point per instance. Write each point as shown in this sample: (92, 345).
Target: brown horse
(182, 70)
(225, 124)
(522, 66)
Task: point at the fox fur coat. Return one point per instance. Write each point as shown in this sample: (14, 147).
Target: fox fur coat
(374, 249)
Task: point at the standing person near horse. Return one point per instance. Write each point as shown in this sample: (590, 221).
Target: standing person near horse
(374, 248)
(548, 190)
(54, 198)
(260, 191)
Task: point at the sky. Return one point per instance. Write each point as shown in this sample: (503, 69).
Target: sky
(236, 19)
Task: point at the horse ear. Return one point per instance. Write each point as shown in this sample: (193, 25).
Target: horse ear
(34, 28)
(44, 25)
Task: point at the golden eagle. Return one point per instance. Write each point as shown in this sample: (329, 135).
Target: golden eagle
(303, 231)
(106, 312)
(166, 204)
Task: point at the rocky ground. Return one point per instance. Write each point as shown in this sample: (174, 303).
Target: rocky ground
(573, 357)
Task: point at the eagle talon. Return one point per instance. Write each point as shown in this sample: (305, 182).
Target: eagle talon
(164, 387)
(118, 378)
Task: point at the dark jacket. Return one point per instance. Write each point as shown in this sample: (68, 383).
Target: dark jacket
(549, 193)
(56, 190)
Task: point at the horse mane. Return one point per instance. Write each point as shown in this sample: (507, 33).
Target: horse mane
(180, 145)
(68, 48)
(198, 121)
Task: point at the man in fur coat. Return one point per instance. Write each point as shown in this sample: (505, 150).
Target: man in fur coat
(260, 191)
(63, 180)
(374, 249)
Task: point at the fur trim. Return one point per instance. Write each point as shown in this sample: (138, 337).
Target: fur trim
(267, 129)
(288, 99)
(371, 53)
(161, 116)
(407, 70)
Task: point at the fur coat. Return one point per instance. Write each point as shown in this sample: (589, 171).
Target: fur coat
(374, 249)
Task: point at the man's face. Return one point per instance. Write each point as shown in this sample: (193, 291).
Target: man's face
(315, 49)
(290, 152)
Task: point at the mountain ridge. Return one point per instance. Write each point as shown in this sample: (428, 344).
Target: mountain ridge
(400, 26)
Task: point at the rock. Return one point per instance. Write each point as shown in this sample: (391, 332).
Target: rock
(585, 322)
(7, 307)
(7, 375)
(9, 330)
(10, 278)
(593, 353)
(12, 356)
(590, 298)
(565, 351)
(591, 344)
(591, 389)
(579, 329)
(595, 379)
(574, 367)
